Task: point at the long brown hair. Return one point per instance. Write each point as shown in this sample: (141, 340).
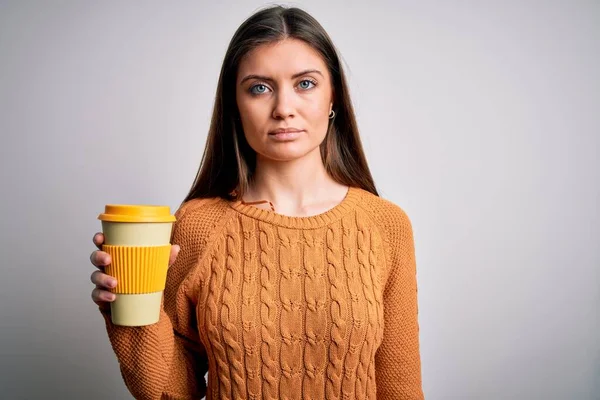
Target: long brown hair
(228, 161)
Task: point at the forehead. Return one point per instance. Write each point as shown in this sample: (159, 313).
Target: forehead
(281, 59)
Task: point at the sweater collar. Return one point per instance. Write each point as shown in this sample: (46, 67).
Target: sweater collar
(309, 222)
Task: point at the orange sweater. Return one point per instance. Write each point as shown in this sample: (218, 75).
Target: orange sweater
(278, 307)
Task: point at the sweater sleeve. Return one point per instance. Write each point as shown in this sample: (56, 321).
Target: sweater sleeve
(165, 360)
(398, 361)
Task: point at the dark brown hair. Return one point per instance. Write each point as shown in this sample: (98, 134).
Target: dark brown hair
(228, 161)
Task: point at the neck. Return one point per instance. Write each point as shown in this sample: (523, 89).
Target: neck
(297, 187)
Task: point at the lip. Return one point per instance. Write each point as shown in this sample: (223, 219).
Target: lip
(284, 130)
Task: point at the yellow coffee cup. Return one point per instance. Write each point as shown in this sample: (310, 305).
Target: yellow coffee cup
(137, 237)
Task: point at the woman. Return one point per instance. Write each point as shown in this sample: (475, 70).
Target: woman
(290, 277)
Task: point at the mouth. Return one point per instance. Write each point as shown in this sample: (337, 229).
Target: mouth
(285, 134)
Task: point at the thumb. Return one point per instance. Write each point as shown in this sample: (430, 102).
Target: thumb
(174, 252)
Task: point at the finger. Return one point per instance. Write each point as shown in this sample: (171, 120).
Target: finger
(102, 280)
(174, 251)
(98, 240)
(100, 296)
(100, 258)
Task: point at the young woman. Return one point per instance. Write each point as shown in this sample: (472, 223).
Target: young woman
(290, 278)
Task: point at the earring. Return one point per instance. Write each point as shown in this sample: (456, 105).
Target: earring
(331, 114)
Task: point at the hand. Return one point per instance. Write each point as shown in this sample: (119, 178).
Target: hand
(100, 259)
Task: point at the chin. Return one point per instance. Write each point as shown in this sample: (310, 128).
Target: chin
(286, 153)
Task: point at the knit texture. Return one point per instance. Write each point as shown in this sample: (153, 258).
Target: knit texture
(278, 307)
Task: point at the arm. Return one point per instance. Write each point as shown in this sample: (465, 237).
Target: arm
(165, 360)
(398, 361)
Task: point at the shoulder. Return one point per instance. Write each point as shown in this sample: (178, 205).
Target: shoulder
(201, 208)
(395, 229)
(197, 219)
(391, 219)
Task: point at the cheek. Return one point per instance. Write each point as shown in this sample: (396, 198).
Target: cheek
(318, 109)
(252, 117)
(317, 113)
(255, 120)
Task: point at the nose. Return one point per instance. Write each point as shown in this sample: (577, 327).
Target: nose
(284, 107)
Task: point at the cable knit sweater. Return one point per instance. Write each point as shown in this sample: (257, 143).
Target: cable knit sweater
(278, 307)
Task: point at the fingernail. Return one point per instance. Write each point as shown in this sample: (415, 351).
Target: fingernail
(111, 297)
(112, 282)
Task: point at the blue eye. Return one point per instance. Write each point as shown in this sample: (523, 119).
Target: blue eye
(306, 84)
(258, 89)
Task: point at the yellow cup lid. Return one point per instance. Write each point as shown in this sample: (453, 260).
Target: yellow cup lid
(136, 213)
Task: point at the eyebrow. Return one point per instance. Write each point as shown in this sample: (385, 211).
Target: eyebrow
(266, 78)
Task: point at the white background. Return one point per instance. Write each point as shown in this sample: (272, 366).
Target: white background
(480, 119)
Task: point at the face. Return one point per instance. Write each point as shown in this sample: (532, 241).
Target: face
(284, 96)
